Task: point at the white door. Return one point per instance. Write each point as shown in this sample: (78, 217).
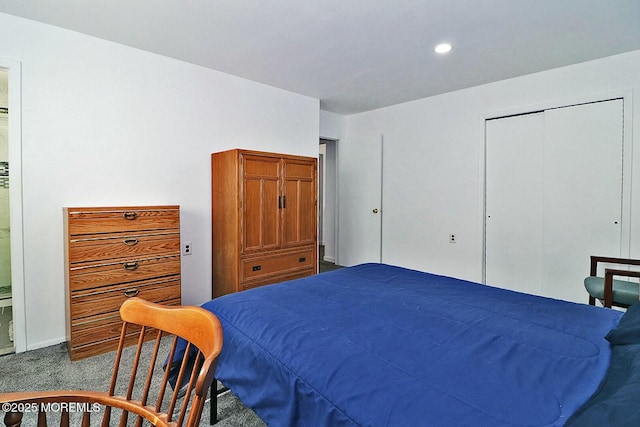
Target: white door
(583, 193)
(513, 165)
(360, 209)
(553, 197)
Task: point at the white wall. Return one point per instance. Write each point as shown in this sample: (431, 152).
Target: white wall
(433, 164)
(104, 124)
(332, 126)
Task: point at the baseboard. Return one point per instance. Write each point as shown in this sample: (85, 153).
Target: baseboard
(47, 343)
(330, 259)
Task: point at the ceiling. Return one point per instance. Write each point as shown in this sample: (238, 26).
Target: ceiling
(357, 55)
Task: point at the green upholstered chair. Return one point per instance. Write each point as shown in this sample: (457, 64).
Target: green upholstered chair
(609, 291)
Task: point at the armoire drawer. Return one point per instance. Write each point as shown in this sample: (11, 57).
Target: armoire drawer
(112, 273)
(280, 264)
(88, 303)
(249, 284)
(123, 246)
(87, 221)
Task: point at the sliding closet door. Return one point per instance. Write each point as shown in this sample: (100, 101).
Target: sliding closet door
(553, 197)
(583, 193)
(514, 202)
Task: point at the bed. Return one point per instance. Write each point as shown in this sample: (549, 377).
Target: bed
(379, 345)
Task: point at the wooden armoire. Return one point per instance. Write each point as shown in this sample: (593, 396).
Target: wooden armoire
(264, 217)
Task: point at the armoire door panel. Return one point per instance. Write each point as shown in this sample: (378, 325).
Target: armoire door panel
(256, 166)
(299, 170)
(298, 224)
(261, 214)
(307, 203)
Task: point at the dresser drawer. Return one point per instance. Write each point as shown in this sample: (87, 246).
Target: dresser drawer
(108, 299)
(103, 336)
(122, 246)
(87, 221)
(280, 264)
(113, 273)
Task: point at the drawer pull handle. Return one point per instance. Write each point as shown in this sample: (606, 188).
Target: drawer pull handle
(130, 241)
(130, 215)
(129, 293)
(130, 265)
(256, 268)
(302, 259)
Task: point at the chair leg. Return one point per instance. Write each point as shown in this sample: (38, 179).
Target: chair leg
(592, 300)
(213, 403)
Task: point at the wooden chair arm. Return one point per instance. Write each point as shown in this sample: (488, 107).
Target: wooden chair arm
(608, 282)
(14, 404)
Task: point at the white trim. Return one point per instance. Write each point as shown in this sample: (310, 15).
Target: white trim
(627, 94)
(627, 172)
(15, 202)
(46, 343)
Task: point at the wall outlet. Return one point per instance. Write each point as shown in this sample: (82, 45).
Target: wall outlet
(452, 238)
(186, 248)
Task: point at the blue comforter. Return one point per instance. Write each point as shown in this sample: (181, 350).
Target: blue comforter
(377, 345)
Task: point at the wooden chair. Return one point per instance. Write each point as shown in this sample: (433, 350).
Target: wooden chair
(609, 291)
(199, 327)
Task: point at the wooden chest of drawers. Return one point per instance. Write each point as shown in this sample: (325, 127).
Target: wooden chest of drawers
(112, 254)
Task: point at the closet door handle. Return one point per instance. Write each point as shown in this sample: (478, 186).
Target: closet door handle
(130, 241)
(130, 265)
(130, 215)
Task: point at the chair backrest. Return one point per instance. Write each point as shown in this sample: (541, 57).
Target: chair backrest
(139, 389)
(201, 333)
(603, 287)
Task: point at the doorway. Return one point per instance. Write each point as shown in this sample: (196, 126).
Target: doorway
(6, 302)
(327, 205)
(11, 101)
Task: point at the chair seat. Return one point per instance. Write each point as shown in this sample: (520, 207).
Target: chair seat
(624, 292)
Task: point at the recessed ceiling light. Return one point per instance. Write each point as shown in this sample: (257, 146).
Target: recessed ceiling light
(443, 48)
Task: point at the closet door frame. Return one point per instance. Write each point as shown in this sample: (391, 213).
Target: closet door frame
(627, 149)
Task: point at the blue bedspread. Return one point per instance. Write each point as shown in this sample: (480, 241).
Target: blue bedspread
(377, 345)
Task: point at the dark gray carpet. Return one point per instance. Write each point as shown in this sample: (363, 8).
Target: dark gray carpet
(51, 368)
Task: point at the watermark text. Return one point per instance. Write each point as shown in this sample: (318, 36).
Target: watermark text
(50, 407)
